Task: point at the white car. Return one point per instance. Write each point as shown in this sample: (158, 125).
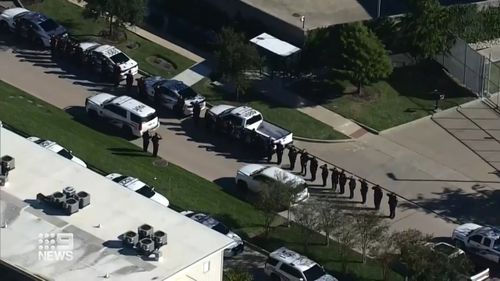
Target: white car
(53, 146)
(285, 264)
(140, 187)
(8, 18)
(235, 248)
(480, 240)
(112, 56)
(255, 177)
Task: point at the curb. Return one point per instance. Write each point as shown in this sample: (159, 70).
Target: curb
(321, 141)
(369, 129)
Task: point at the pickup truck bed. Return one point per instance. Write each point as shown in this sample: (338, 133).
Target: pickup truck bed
(270, 130)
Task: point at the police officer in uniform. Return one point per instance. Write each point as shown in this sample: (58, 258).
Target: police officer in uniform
(292, 156)
(393, 202)
(363, 190)
(117, 75)
(279, 152)
(145, 141)
(377, 196)
(196, 112)
(313, 168)
(342, 182)
(104, 70)
(335, 178)
(304, 157)
(324, 173)
(156, 143)
(53, 44)
(270, 149)
(180, 106)
(129, 81)
(141, 88)
(352, 186)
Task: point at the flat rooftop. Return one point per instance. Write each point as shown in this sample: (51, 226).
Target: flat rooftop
(97, 251)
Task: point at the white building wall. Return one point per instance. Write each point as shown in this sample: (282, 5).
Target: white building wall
(207, 269)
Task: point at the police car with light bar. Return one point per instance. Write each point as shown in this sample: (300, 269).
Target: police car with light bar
(112, 56)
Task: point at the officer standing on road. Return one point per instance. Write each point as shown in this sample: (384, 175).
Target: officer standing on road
(79, 57)
(363, 190)
(196, 112)
(313, 168)
(53, 44)
(342, 182)
(377, 196)
(129, 80)
(141, 88)
(324, 173)
(156, 143)
(145, 141)
(270, 150)
(393, 202)
(335, 178)
(117, 75)
(292, 156)
(279, 152)
(304, 157)
(352, 186)
(180, 106)
(104, 70)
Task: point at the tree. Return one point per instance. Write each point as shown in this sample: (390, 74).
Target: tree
(116, 12)
(305, 215)
(385, 253)
(235, 56)
(426, 29)
(237, 275)
(328, 220)
(270, 201)
(371, 228)
(363, 55)
(346, 235)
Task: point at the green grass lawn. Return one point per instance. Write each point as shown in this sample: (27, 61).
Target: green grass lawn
(297, 122)
(403, 97)
(107, 153)
(70, 16)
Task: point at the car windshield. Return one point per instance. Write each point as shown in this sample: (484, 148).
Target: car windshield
(119, 58)
(49, 25)
(188, 93)
(496, 245)
(254, 119)
(119, 179)
(39, 141)
(66, 154)
(226, 111)
(314, 273)
(146, 191)
(221, 228)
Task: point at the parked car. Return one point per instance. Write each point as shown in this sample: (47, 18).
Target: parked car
(124, 112)
(38, 28)
(9, 16)
(168, 92)
(247, 123)
(235, 248)
(140, 187)
(483, 241)
(112, 56)
(285, 264)
(254, 177)
(53, 146)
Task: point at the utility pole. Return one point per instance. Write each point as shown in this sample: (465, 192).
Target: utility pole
(379, 5)
(303, 20)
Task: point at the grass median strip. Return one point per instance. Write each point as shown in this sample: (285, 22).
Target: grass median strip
(297, 122)
(184, 189)
(145, 52)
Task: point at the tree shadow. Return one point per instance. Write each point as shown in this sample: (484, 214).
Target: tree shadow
(465, 207)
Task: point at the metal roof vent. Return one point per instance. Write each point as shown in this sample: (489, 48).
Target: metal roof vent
(68, 200)
(7, 163)
(145, 230)
(146, 242)
(146, 246)
(130, 239)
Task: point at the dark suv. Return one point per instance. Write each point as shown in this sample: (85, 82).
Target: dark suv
(38, 28)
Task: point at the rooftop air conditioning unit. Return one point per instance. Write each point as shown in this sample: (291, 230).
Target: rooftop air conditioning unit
(130, 239)
(146, 246)
(145, 230)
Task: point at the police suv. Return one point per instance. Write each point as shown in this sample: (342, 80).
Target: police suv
(9, 16)
(483, 241)
(38, 27)
(131, 115)
(285, 264)
(235, 248)
(170, 91)
(112, 56)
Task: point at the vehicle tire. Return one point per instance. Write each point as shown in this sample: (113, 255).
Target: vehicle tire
(242, 185)
(127, 131)
(39, 43)
(275, 277)
(93, 114)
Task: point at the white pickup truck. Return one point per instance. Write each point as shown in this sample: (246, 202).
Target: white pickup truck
(483, 241)
(246, 123)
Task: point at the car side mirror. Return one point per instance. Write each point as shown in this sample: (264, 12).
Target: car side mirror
(152, 188)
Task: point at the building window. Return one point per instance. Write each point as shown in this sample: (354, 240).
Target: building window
(206, 267)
